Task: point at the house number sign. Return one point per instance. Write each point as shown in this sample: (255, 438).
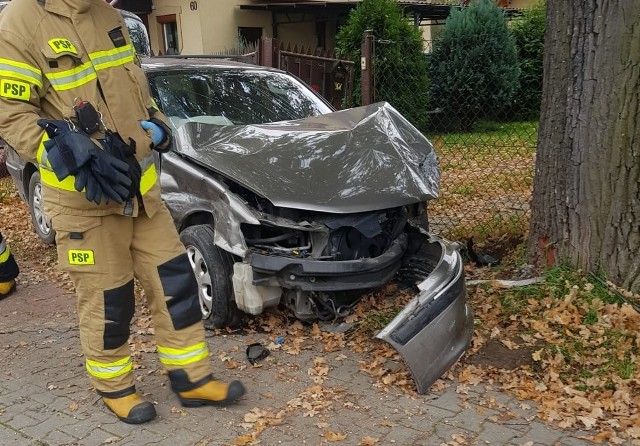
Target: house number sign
(193, 5)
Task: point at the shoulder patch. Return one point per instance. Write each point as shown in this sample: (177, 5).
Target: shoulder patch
(61, 45)
(15, 89)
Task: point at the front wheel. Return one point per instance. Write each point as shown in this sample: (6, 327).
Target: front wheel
(213, 268)
(41, 223)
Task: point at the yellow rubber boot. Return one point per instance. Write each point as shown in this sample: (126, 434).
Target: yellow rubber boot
(131, 408)
(212, 393)
(6, 288)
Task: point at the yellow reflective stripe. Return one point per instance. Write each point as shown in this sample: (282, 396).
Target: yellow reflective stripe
(47, 176)
(5, 255)
(20, 70)
(112, 58)
(75, 77)
(102, 370)
(41, 151)
(50, 179)
(148, 179)
(183, 356)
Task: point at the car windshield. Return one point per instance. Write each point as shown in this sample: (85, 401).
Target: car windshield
(139, 37)
(233, 97)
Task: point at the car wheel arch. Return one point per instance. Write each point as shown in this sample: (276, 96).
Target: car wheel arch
(197, 218)
(41, 223)
(213, 268)
(27, 172)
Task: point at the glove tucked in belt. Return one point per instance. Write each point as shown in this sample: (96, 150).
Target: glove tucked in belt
(73, 152)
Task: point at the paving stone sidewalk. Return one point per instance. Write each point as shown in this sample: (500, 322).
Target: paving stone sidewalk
(46, 398)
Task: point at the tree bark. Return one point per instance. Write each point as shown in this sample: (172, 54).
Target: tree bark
(586, 198)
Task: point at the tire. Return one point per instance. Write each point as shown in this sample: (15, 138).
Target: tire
(40, 222)
(213, 268)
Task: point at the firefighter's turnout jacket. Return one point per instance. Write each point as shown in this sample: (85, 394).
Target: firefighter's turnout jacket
(53, 53)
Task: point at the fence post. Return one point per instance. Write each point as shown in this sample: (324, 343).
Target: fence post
(269, 52)
(366, 68)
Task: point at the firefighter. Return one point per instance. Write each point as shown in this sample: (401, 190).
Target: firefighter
(8, 270)
(73, 97)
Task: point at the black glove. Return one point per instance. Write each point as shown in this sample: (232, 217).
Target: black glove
(112, 176)
(97, 188)
(73, 152)
(67, 150)
(115, 146)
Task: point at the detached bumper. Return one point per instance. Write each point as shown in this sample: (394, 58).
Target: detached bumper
(435, 328)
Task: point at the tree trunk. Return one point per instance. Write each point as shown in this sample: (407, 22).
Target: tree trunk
(586, 198)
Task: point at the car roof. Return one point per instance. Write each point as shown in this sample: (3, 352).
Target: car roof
(160, 63)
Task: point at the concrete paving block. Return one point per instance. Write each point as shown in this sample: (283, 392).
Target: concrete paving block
(539, 434)
(30, 408)
(9, 437)
(142, 436)
(444, 432)
(50, 424)
(58, 438)
(470, 419)
(400, 435)
(571, 440)
(99, 437)
(180, 437)
(497, 434)
(81, 428)
(20, 421)
(448, 400)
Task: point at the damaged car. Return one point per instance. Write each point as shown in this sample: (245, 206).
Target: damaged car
(282, 201)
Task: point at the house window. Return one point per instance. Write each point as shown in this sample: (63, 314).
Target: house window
(170, 41)
(249, 35)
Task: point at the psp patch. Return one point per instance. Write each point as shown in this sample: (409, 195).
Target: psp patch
(81, 257)
(15, 90)
(60, 45)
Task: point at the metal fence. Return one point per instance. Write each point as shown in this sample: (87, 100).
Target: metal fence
(486, 169)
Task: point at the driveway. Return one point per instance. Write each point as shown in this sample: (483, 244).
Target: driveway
(316, 387)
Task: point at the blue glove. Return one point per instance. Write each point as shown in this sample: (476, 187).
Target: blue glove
(155, 132)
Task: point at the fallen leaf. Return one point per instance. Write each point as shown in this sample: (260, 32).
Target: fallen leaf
(334, 436)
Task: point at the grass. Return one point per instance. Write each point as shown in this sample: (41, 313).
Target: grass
(584, 343)
(593, 345)
(486, 179)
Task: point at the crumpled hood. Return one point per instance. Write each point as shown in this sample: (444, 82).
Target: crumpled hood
(356, 160)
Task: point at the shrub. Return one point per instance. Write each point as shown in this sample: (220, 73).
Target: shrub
(528, 33)
(473, 68)
(400, 68)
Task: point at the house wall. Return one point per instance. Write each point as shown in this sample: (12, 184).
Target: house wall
(212, 27)
(298, 34)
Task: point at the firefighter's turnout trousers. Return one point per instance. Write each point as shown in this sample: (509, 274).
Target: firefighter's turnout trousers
(8, 266)
(102, 255)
